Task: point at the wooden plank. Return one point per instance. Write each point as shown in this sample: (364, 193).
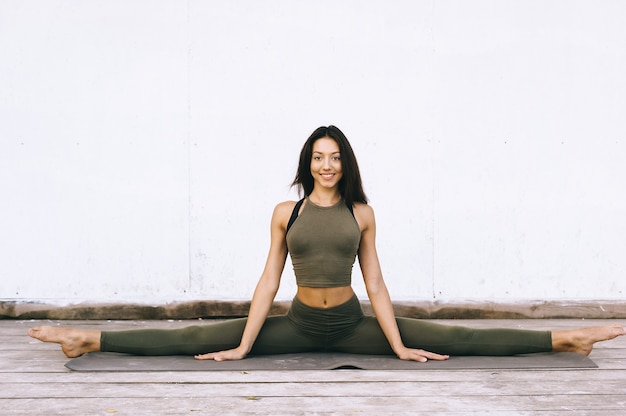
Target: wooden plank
(338, 376)
(207, 403)
(366, 378)
(306, 389)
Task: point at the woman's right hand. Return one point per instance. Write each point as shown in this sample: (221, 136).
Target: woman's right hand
(421, 356)
(227, 355)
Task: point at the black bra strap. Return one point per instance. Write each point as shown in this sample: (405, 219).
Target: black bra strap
(294, 214)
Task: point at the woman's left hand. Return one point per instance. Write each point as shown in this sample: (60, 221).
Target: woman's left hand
(420, 355)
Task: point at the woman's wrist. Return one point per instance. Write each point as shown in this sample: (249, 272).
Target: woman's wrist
(244, 347)
(399, 349)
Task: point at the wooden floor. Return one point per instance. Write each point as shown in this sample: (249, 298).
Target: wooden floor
(34, 381)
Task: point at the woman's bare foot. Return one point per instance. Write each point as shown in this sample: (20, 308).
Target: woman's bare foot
(74, 342)
(582, 340)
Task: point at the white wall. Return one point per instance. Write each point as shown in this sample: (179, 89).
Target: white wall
(144, 144)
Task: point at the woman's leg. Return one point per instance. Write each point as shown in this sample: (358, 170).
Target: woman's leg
(191, 340)
(460, 340)
(278, 335)
(368, 338)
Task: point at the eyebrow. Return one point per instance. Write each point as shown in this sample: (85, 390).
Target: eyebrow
(331, 153)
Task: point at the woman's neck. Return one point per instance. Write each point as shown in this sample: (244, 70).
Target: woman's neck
(325, 198)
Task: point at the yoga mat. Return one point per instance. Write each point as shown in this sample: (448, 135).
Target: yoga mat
(100, 361)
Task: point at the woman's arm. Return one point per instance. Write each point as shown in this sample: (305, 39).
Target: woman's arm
(377, 290)
(265, 290)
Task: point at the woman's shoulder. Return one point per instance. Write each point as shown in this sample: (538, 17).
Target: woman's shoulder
(285, 206)
(364, 209)
(283, 210)
(364, 215)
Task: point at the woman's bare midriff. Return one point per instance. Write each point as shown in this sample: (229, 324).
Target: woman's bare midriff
(324, 297)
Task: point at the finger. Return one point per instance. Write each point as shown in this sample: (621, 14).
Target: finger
(209, 356)
(423, 356)
(434, 356)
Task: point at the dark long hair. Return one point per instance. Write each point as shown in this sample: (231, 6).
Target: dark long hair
(350, 185)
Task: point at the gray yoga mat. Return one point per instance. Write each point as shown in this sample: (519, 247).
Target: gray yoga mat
(323, 361)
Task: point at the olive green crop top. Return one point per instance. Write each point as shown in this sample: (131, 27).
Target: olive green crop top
(323, 243)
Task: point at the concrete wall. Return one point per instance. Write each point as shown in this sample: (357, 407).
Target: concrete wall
(144, 144)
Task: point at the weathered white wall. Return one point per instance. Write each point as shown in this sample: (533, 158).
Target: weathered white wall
(144, 144)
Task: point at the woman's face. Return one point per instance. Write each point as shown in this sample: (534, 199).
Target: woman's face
(326, 163)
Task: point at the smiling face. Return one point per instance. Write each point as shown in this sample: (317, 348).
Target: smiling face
(326, 166)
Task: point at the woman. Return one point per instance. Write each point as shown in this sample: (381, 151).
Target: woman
(323, 234)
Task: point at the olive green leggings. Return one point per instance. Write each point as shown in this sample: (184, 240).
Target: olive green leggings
(343, 328)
